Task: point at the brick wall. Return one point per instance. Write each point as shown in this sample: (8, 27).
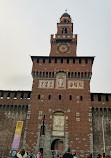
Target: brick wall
(101, 115)
(13, 108)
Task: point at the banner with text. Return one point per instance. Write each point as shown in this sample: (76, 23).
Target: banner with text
(18, 131)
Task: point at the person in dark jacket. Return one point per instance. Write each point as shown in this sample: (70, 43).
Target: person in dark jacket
(68, 154)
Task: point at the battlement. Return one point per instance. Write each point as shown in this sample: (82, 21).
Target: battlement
(14, 98)
(75, 67)
(100, 100)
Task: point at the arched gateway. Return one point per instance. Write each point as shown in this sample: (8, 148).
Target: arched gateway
(57, 146)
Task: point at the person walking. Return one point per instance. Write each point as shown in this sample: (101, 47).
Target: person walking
(99, 156)
(31, 155)
(22, 154)
(68, 154)
(74, 156)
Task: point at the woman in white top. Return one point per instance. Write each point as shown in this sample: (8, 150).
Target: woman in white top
(22, 154)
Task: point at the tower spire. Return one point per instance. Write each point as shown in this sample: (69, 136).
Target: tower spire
(64, 43)
(65, 10)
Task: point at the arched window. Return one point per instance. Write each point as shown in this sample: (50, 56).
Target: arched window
(64, 31)
(64, 20)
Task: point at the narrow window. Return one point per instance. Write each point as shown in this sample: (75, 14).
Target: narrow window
(39, 96)
(107, 98)
(64, 31)
(86, 61)
(67, 60)
(37, 60)
(59, 97)
(28, 95)
(70, 97)
(8, 95)
(15, 95)
(22, 95)
(71, 74)
(2, 93)
(46, 74)
(55, 60)
(99, 97)
(75, 74)
(79, 61)
(49, 74)
(68, 74)
(82, 75)
(49, 60)
(37, 74)
(43, 74)
(73, 60)
(85, 74)
(43, 60)
(92, 97)
(78, 74)
(40, 74)
(49, 97)
(81, 98)
(53, 75)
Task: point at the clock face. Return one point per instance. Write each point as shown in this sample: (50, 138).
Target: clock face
(63, 48)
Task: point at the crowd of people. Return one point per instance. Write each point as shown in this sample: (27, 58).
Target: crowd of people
(23, 154)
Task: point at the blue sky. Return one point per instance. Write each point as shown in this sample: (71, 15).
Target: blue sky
(25, 29)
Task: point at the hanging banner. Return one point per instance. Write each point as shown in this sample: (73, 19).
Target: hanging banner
(18, 131)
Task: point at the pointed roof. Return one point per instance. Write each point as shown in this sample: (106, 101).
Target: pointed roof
(65, 15)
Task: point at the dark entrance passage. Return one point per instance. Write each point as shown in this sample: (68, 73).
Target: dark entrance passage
(57, 147)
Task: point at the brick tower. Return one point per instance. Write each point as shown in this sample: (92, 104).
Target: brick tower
(59, 115)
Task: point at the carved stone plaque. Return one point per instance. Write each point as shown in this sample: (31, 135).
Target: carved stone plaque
(75, 84)
(58, 125)
(46, 84)
(61, 80)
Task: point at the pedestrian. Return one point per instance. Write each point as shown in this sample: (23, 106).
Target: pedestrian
(57, 156)
(60, 155)
(74, 156)
(38, 155)
(31, 155)
(99, 156)
(68, 154)
(22, 154)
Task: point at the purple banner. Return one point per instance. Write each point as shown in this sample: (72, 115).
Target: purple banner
(16, 141)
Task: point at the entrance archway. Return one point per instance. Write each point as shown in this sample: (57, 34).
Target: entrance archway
(57, 147)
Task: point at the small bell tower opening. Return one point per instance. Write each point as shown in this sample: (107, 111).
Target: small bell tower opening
(64, 31)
